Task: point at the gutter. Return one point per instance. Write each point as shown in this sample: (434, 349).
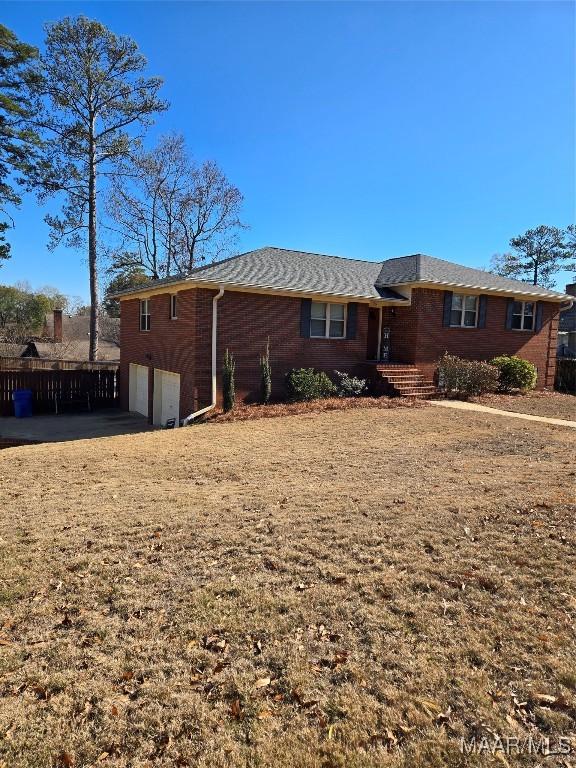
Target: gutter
(469, 286)
(212, 405)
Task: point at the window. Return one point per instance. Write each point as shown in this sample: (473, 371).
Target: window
(464, 311)
(523, 316)
(327, 320)
(173, 306)
(144, 315)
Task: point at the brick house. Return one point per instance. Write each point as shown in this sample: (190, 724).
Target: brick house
(387, 321)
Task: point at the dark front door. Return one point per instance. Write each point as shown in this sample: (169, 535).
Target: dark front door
(373, 320)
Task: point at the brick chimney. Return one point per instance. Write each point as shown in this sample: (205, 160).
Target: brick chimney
(57, 325)
(571, 289)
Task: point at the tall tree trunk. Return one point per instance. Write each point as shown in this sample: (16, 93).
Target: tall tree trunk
(92, 260)
(535, 273)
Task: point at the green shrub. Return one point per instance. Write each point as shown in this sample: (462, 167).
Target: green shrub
(463, 378)
(228, 386)
(515, 373)
(350, 386)
(265, 376)
(308, 384)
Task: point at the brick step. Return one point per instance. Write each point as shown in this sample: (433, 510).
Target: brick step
(403, 377)
(417, 395)
(397, 369)
(405, 380)
(413, 384)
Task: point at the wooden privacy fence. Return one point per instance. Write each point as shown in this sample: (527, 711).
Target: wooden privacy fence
(565, 375)
(50, 387)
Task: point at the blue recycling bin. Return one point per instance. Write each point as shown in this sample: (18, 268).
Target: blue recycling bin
(22, 403)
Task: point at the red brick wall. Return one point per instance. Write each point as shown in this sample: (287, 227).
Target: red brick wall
(245, 321)
(169, 344)
(422, 324)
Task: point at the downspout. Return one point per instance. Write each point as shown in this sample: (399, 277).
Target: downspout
(212, 405)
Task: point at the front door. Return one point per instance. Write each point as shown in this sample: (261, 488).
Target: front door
(373, 322)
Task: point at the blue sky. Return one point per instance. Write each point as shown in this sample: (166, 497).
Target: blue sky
(368, 130)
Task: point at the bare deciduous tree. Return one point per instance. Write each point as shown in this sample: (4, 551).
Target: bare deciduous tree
(208, 217)
(142, 205)
(171, 214)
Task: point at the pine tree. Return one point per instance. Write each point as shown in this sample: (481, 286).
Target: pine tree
(19, 144)
(90, 93)
(537, 255)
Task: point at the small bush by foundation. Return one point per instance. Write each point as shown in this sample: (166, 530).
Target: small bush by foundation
(265, 375)
(308, 384)
(228, 386)
(515, 373)
(350, 386)
(460, 378)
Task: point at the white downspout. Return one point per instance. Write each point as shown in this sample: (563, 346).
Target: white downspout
(212, 405)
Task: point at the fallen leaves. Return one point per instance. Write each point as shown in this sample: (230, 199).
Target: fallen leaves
(113, 750)
(65, 760)
(236, 710)
(302, 701)
(560, 702)
(214, 643)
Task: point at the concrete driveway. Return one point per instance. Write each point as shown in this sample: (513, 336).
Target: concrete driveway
(47, 428)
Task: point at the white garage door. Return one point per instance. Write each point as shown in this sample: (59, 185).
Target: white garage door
(139, 389)
(166, 397)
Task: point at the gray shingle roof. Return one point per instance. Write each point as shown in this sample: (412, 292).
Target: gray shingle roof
(298, 271)
(286, 270)
(420, 268)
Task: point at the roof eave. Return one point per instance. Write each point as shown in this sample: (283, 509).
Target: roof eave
(552, 296)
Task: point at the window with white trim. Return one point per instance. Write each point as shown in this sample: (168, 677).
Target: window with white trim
(173, 306)
(464, 312)
(144, 315)
(327, 321)
(523, 316)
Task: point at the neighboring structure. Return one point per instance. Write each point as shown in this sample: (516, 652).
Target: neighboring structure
(567, 327)
(389, 321)
(67, 337)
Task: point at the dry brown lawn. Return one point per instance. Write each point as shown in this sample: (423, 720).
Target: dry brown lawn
(341, 590)
(556, 405)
